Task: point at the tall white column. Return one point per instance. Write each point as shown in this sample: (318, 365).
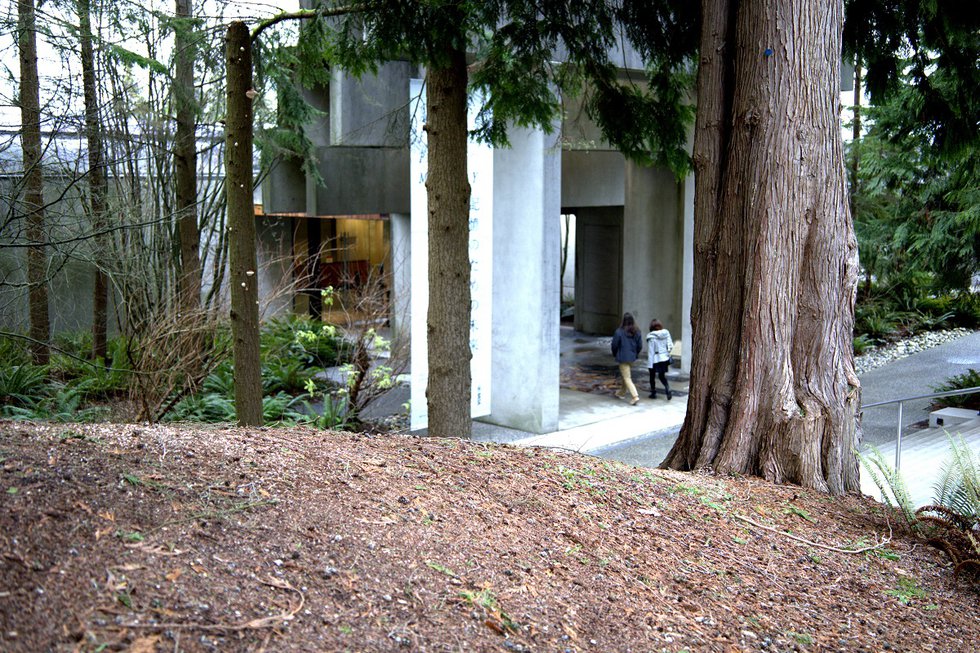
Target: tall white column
(688, 273)
(401, 276)
(526, 284)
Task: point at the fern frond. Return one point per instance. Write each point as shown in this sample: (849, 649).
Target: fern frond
(890, 483)
(958, 487)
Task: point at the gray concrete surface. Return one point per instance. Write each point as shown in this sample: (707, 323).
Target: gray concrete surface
(643, 434)
(915, 375)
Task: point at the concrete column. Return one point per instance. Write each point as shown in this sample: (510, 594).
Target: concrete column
(653, 248)
(526, 287)
(401, 276)
(688, 273)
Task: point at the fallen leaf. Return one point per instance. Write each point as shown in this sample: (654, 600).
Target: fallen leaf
(127, 567)
(174, 575)
(493, 625)
(649, 511)
(377, 462)
(147, 644)
(107, 516)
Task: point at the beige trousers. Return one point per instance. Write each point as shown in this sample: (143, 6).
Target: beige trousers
(625, 371)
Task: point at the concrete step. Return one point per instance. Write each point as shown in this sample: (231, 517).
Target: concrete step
(924, 454)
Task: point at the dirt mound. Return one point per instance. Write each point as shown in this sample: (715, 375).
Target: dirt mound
(124, 537)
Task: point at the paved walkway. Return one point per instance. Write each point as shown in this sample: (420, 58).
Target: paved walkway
(595, 421)
(591, 418)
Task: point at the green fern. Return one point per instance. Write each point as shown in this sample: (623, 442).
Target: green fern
(958, 487)
(22, 385)
(890, 483)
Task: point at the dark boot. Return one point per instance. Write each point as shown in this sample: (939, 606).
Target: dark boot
(653, 384)
(667, 390)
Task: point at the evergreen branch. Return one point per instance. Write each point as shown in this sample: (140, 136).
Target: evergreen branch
(305, 14)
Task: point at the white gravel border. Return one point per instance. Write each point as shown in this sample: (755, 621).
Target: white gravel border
(878, 356)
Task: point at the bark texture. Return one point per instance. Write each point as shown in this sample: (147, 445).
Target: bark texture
(448, 192)
(185, 165)
(773, 387)
(30, 111)
(96, 180)
(241, 227)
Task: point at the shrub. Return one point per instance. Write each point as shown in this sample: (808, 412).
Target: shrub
(13, 351)
(878, 327)
(965, 307)
(303, 339)
(969, 379)
(285, 375)
(862, 343)
(23, 385)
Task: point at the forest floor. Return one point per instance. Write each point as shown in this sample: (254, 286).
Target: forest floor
(177, 538)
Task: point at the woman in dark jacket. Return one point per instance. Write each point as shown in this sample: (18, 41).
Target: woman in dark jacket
(626, 347)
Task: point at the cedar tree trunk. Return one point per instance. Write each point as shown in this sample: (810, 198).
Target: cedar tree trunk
(185, 164)
(448, 192)
(241, 227)
(96, 179)
(30, 112)
(773, 387)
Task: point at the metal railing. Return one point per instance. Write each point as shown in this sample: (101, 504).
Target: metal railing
(934, 395)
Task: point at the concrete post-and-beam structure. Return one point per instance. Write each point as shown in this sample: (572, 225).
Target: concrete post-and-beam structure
(633, 231)
(526, 284)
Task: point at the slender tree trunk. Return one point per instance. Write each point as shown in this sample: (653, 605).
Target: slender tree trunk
(856, 132)
(185, 163)
(448, 192)
(96, 178)
(856, 159)
(241, 227)
(773, 387)
(30, 112)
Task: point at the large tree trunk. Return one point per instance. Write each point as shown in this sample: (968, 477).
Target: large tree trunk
(241, 227)
(185, 164)
(30, 112)
(448, 192)
(773, 387)
(96, 179)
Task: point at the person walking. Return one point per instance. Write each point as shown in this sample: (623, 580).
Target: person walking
(626, 347)
(659, 344)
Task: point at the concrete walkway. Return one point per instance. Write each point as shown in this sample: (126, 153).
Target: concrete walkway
(592, 422)
(598, 423)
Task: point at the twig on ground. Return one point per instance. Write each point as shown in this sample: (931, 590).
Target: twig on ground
(865, 549)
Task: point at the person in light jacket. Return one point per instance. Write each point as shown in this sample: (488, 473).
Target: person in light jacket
(626, 347)
(659, 344)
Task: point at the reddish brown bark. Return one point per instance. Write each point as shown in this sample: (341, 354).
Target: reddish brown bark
(96, 179)
(773, 387)
(448, 192)
(37, 294)
(185, 166)
(242, 257)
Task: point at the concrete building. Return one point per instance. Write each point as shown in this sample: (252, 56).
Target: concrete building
(633, 230)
